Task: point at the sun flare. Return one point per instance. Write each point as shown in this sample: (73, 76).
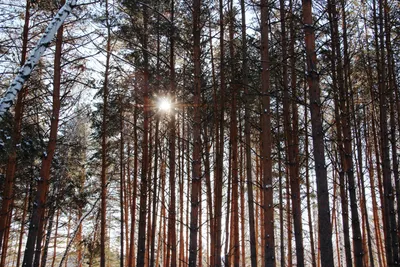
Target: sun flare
(164, 104)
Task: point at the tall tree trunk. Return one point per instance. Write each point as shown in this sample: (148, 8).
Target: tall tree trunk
(280, 177)
(163, 216)
(93, 241)
(172, 152)
(348, 151)
(196, 160)
(308, 185)
(228, 231)
(389, 218)
(145, 147)
(51, 213)
(292, 149)
(371, 174)
(207, 174)
(127, 202)
(151, 196)
(55, 239)
(22, 229)
(234, 142)
(289, 220)
(394, 145)
(325, 226)
(80, 208)
(341, 165)
(266, 159)
(363, 215)
(393, 89)
(8, 191)
(369, 162)
(131, 261)
(334, 214)
(181, 190)
(68, 238)
(104, 161)
(39, 205)
(155, 195)
(4, 248)
(188, 198)
(295, 123)
(207, 163)
(357, 124)
(258, 201)
(200, 255)
(219, 145)
(121, 184)
(247, 131)
(242, 205)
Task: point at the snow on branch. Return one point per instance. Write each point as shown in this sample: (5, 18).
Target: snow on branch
(37, 52)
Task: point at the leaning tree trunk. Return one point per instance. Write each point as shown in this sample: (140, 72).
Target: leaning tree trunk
(26, 70)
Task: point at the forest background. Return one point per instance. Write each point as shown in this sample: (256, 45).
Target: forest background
(277, 143)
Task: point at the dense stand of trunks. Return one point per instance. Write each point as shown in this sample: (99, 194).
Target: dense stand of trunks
(281, 148)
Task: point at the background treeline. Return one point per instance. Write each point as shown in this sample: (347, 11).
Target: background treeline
(281, 147)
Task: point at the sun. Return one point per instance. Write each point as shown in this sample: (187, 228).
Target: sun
(164, 104)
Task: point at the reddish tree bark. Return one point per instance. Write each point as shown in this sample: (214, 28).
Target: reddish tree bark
(39, 205)
(8, 191)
